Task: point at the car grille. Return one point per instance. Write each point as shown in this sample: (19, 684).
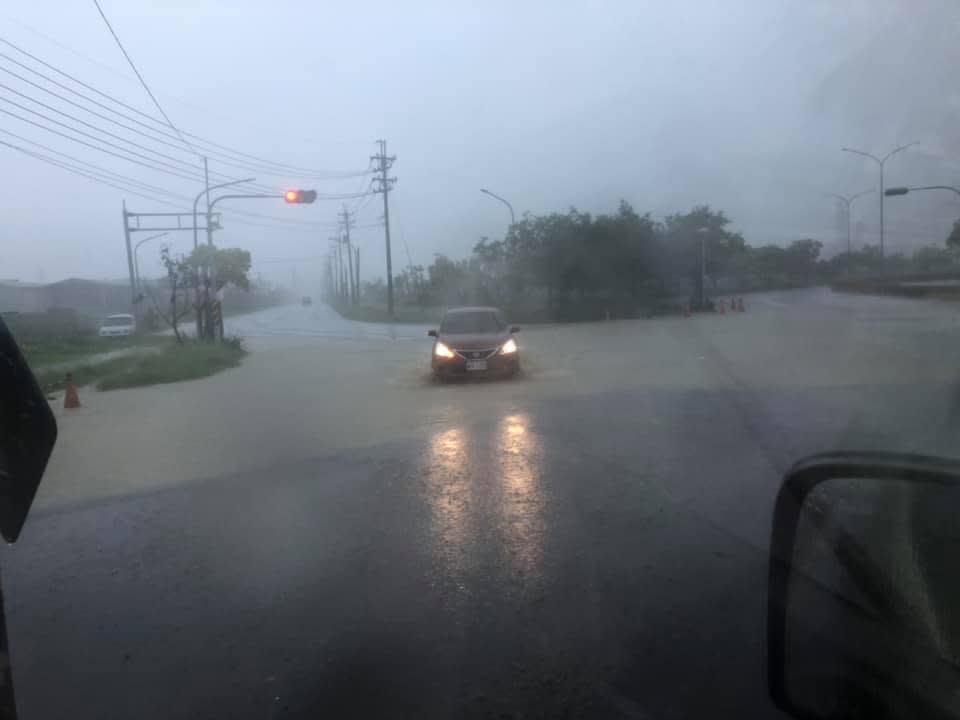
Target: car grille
(476, 354)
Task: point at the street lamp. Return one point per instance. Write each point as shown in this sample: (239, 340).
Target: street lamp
(136, 265)
(881, 162)
(848, 200)
(904, 190)
(513, 218)
(204, 192)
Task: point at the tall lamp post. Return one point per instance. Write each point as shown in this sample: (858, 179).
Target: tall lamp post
(904, 190)
(209, 207)
(513, 217)
(136, 264)
(848, 201)
(880, 162)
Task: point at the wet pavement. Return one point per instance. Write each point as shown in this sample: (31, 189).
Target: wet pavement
(326, 532)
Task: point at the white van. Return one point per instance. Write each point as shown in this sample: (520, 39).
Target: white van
(121, 325)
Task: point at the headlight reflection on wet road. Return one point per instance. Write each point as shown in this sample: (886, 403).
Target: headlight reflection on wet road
(521, 500)
(484, 491)
(449, 493)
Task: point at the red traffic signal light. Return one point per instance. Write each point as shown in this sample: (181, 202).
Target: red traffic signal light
(300, 196)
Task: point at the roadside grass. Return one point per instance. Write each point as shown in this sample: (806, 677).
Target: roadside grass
(172, 363)
(55, 351)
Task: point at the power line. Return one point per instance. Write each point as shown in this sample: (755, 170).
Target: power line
(135, 187)
(242, 156)
(102, 116)
(92, 126)
(95, 168)
(258, 186)
(140, 77)
(90, 176)
(82, 142)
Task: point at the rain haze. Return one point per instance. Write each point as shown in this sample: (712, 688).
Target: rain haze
(740, 105)
(655, 416)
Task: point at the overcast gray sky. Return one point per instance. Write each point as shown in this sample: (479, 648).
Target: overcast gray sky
(736, 103)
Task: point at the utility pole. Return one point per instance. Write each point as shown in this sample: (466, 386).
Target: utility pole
(126, 238)
(383, 184)
(343, 275)
(345, 214)
(335, 266)
(357, 268)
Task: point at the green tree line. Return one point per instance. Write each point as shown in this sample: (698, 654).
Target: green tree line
(576, 265)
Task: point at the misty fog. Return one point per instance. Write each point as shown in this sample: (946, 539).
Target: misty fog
(740, 105)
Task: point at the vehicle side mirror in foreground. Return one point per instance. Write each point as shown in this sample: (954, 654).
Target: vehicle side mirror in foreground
(28, 432)
(432, 333)
(863, 615)
(514, 328)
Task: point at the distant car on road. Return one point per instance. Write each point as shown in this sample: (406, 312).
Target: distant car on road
(120, 325)
(306, 301)
(474, 340)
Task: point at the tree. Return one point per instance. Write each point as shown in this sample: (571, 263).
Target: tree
(953, 239)
(800, 258)
(702, 232)
(229, 266)
(180, 275)
(215, 268)
(932, 258)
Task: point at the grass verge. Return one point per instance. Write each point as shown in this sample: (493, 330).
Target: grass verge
(52, 352)
(173, 363)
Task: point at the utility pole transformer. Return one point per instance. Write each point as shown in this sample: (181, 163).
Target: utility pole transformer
(383, 184)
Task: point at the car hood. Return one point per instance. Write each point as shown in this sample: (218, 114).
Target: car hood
(474, 341)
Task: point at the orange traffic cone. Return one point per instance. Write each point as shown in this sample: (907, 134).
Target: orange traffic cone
(70, 399)
(740, 305)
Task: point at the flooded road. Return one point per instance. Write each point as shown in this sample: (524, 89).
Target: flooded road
(327, 531)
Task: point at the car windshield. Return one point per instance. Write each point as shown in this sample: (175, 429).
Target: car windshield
(473, 321)
(447, 358)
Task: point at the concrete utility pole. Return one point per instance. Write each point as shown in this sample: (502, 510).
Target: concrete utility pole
(126, 238)
(383, 163)
(347, 222)
(881, 162)
(357, 268)
(335, 266)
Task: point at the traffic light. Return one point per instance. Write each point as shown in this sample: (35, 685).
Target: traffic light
(300, 196)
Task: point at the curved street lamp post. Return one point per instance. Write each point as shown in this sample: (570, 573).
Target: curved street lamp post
(880, 162)
(513, 217)
(847, 200)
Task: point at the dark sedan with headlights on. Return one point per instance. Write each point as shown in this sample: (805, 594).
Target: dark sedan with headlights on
(474, 341)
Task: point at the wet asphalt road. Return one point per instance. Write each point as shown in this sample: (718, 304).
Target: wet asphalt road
(328, 534)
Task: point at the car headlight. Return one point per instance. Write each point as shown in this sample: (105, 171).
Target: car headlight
(509, 347)
(442, 351)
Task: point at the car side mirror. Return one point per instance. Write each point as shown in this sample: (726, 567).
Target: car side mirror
(863, 616)
(514, 328)
(432, 333)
